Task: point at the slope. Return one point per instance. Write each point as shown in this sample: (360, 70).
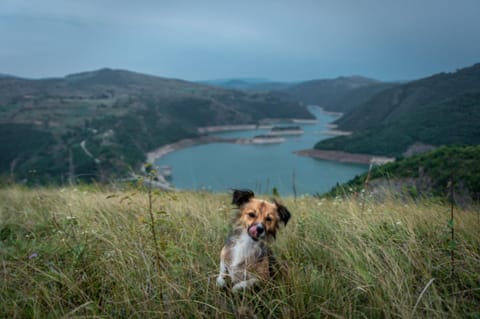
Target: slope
(425, 174)
(97, 257)
(441, 109)
(119, 115)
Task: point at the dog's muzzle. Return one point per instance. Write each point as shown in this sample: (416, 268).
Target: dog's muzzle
(256, 231)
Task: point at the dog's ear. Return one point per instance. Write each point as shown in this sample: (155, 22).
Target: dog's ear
(241, 196)
(283, 213)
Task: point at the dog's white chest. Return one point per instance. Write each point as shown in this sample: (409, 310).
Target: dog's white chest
(244, 249)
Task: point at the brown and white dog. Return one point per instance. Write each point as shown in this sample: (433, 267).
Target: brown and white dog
(246, 258)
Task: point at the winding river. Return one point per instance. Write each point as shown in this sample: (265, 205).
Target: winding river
(220, 167)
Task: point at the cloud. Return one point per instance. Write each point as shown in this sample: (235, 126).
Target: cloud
(200, 39)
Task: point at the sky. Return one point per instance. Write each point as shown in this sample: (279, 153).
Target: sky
(282, 40)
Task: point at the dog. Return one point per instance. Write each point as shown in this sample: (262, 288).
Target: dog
(245, 258)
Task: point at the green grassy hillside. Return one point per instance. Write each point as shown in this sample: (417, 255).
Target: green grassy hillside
(439, 110)
(119, 115)
(425, 175)
(86, 252)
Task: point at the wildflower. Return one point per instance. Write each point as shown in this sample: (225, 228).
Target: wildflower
(33, 255)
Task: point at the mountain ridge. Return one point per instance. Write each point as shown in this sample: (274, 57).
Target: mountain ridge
(249, 84)
(340, 94)
(440, 109)
(430, 89)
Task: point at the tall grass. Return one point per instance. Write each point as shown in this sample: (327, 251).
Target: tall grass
(86, 252)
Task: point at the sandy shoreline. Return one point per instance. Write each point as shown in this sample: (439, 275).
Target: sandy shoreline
(337, 156)
(337, 133)
(344, 157)
(332, 129)
(225, 128)
(166, 149)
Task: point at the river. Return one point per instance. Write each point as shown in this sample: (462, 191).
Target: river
(220, 167)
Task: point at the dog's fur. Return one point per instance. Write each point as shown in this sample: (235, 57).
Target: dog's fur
(246, 258)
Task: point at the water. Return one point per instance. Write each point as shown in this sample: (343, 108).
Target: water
(222, 166)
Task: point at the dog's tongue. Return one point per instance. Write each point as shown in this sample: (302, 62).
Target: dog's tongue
(253, 231)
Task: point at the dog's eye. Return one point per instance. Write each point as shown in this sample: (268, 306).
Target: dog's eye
(251, 215)
(268, 219)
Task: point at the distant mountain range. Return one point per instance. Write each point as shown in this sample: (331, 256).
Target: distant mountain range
(100, 124)
(339, 95)
(437, 110)
(249, 84)
(3, 75)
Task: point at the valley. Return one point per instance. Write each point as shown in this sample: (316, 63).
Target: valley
(103, 125)
(232, 159)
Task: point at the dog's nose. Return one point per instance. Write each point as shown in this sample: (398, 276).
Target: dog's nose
(260, 228)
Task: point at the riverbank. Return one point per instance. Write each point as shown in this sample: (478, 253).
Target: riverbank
(207, 136)
(266, 125)
(169, 148)
(344, 157)
(332, 129)
(217, 166)
(226, 128)
(154, 155)
(164, 150)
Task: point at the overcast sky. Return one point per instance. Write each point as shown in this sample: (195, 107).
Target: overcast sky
(274, 39)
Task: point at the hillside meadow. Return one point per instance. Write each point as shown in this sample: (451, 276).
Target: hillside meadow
(89, 252)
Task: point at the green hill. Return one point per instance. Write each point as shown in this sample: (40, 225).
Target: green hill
(438, 110)
(338, 95)
(118, 115)
(427, 174)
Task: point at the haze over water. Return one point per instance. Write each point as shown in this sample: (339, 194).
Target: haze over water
(222, 166)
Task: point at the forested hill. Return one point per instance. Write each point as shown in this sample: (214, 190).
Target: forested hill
(119, 115)
(441, 109)
(424, 175)
(339, 95)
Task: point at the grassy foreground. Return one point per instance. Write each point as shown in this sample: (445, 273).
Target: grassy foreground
(85, 252)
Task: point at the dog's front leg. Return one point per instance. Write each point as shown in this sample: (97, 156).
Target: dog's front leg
(222, 275)
(244, 284)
